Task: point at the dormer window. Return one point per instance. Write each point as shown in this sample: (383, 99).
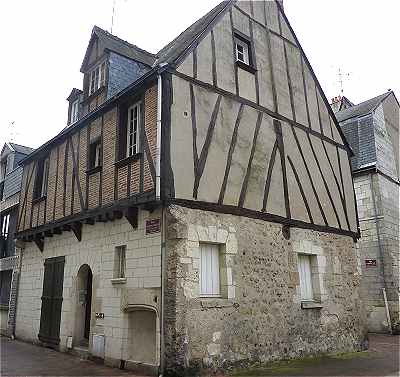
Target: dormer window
(74, 111)
(97, 77)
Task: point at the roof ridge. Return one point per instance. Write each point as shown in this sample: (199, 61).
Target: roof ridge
(383, 95)
(122, 40)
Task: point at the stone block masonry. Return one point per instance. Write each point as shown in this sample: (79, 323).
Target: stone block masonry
(114, 299)
(258, 316)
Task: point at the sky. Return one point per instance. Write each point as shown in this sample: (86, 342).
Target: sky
(44, 42)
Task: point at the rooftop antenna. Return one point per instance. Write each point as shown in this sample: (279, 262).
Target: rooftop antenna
(112, 18)
(342, 76)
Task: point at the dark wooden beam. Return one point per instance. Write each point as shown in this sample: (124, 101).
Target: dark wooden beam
(118, 215)
(57, 231)
(48, 233)
(76, 227)
(132, 214)
(39, 243)
(90, 221)
(66, 227)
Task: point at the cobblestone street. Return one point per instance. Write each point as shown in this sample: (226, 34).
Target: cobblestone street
(382, 359)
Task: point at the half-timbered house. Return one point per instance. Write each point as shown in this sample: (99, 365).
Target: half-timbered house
(198, 210)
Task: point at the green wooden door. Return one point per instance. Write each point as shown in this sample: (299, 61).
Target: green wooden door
(52, 300)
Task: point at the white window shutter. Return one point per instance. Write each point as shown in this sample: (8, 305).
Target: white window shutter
(305, 277)
(209, 270)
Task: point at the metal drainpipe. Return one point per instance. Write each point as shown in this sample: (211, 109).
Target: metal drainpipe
(382, 267)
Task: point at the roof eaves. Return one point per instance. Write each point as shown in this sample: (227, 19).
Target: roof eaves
(101, 109)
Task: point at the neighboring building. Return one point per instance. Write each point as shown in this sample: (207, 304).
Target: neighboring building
(200, 212)
(10, 186)
(372, 130)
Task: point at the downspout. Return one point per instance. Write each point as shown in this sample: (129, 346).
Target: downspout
(382, 269)
(158, 145)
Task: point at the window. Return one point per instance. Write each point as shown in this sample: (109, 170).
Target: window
(3, 168)
(242, 50)
(306, 287)
(42, 175)
(132, 132)
(209, 270)
(95, 154)
(97, 77)
(74, 111)
(4, 226)
(120, 262)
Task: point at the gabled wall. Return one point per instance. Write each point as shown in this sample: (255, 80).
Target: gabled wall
(260, 141)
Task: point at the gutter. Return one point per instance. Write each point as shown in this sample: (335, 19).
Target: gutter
(94, 114)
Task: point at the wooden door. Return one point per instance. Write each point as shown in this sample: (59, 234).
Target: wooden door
(52, 300)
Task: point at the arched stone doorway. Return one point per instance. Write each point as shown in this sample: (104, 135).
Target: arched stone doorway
(83, 310)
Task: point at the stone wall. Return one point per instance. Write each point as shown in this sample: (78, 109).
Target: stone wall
(115, 298)
(259, 316)
(379, 225)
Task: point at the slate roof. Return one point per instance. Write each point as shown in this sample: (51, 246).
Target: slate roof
(173, 50)
(362, 108)
(21, 148)
(118, 45)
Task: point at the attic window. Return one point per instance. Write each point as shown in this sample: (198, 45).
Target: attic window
(243, 52)
(97, 77)
(74, 111)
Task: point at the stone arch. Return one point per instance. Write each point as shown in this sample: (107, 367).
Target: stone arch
(83, 306)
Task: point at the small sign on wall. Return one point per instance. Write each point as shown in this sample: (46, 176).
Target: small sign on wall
(370, 263)
(100, 315)
(153, 226)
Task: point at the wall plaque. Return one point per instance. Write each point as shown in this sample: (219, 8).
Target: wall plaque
(153, 226)
(370, 263)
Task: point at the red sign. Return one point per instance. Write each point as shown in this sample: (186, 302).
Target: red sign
(153, 226)
(370, 263)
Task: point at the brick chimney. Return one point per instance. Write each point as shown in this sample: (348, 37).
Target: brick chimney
(335, 103)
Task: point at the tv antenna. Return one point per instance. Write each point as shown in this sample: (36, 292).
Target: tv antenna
(112, 17)
(342, 76)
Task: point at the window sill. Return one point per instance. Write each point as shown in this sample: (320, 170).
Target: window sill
(127, 160)
(94, 170)
(38, 200)
(246, 67)
(209, 302)
(116, 281)
(311, 305)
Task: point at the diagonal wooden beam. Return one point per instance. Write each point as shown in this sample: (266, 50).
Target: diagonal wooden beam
(230, 154)
(281, 148)
(132, 215)
(309, 176)
(243, 191)
(303, 195)
(39, 243)
(76, 175)
(269, 175)
(206, 146)
(76, 228)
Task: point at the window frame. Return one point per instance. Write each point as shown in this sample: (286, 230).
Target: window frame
(97, 77)
(120, 262)
(307, 289)
(215, 274)
(136, 146)
(246, 42)
(74, 112)
(41, 178)
(95, 161)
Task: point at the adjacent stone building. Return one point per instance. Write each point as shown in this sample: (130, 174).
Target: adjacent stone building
(10, 186)
(198, 210)
(372, 130)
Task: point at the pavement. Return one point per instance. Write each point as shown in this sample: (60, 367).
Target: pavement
(381, 360)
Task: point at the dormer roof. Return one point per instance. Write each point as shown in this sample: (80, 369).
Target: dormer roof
(74, 94)
(111, 42)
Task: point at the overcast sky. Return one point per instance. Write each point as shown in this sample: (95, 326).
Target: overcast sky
(44, 42)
